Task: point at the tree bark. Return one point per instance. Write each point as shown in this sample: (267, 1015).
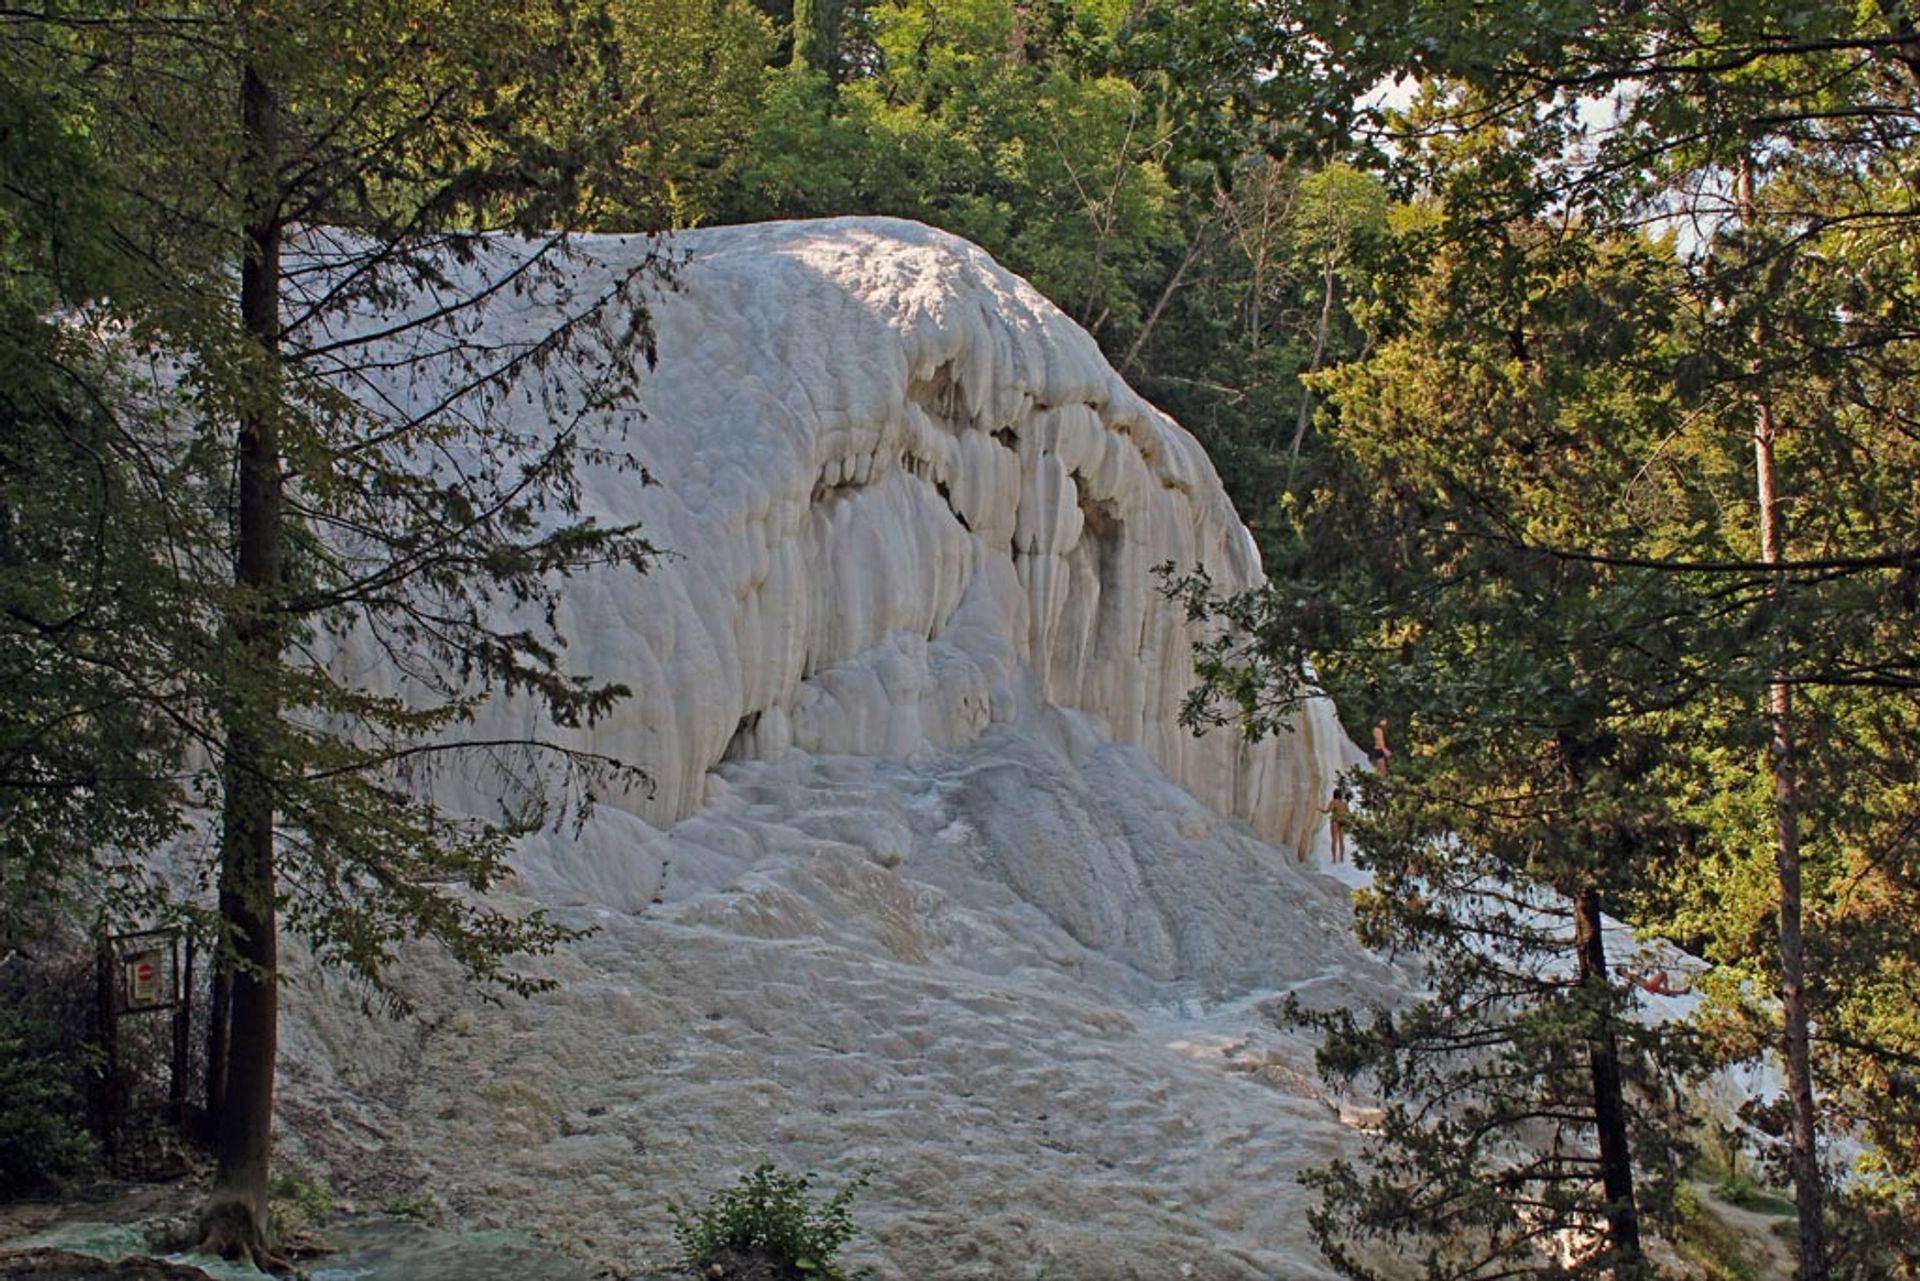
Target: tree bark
(1305, 415)
(1803, 1154)
(234, 1223)
(1609, 1099)
(219, 1007)
(1803, 1160)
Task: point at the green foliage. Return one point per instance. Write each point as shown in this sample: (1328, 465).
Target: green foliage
(1872, 1232)
(308, 1193)
(1702, 1240)
(1490, 1081)
(207, 491)
(817, 45)
(1485, 1144)
(1642, 234)
(118, 539)
(1270, 274)
(1530, 699)
(43, 1140)
(691, 89)
(417, 1206)
(92, 625)
(91, 629)
(301, 1203)
(770, 1216)
(1740, 1190)
(1025, 147)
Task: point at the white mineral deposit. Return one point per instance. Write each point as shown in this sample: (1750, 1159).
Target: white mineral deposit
(930, 881)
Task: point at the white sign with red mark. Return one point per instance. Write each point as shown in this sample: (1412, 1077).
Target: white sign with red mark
(143, 972)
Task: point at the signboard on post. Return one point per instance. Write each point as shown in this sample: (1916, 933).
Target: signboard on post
(143, 978)
(145, 990)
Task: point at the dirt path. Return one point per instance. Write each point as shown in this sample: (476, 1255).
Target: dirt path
(1772, 1253)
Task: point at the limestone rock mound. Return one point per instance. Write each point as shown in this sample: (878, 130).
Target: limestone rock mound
(932, 882)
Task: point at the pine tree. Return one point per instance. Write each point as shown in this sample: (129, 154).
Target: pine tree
(1524, 1104)
(303, 215)
(93, 628)
(1775, 147)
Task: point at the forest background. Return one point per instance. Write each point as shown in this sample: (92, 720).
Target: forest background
(1569, 389)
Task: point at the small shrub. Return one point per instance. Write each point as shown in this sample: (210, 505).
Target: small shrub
(298, 1204)
(1737, 1187)
(770, 1221)
(43, 1139)
(1743, 1192)
(417, 1206)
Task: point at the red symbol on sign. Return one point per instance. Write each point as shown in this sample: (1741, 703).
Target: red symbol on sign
(143, 979)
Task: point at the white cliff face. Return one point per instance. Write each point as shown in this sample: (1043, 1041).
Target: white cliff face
(932, 882)
(903, 496)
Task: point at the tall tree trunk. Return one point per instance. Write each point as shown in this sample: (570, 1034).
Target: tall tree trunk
(1305, 416)
(1129, 363)
(1803, 1160)
(234, 1222)
(1609, 1100)
(219, 1008)
(1804, 1154)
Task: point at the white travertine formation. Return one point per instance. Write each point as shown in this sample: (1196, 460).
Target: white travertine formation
(903, 495)
(924, 887)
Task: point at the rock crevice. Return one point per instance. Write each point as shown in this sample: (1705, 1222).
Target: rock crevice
(904, 496)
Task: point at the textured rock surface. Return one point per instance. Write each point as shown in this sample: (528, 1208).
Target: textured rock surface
(932, 882)
(906, 497)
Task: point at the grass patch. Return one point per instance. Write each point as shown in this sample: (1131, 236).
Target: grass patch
(1704, 1240)
(1737, 1188)
(1759, 1200)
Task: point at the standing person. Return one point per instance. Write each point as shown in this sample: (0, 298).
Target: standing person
(1380, 753)
(1336, 812)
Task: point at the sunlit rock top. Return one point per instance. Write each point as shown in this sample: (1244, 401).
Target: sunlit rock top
(932, 882)
(903, 497)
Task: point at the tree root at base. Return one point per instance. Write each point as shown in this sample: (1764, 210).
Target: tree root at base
(230, 1229)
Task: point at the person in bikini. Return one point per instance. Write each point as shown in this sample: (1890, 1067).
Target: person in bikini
(1380, 753)
(1336, 811)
